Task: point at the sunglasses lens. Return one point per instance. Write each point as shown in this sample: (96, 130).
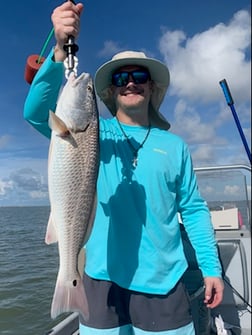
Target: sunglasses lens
(140, 77)
(120, 79)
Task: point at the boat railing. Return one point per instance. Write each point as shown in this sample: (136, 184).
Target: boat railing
(68, 326)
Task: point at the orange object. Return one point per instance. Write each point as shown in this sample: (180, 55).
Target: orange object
(32, 67)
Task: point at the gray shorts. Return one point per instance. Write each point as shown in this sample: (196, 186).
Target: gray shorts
(111, 306)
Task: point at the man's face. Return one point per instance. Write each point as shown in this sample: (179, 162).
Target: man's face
(132, 96)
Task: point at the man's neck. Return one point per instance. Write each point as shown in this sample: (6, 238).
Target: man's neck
(134, 118)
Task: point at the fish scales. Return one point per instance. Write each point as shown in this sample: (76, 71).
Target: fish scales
(72, 177)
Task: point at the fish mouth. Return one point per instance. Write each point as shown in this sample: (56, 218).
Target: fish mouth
(76, 80)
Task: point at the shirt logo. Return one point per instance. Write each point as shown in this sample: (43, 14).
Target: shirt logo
(160, 151)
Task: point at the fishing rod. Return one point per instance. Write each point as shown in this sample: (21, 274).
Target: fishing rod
(230, 102)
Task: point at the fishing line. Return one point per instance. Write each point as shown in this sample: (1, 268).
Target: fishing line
(49, 37)
(34, 62)
(238, 294)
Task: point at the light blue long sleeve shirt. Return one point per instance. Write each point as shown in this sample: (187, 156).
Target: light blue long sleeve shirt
(136, 240)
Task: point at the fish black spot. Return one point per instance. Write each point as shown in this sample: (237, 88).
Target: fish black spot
(75, 282)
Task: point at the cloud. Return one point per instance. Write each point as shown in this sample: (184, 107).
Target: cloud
(200, 113)
(197, 64)
(209, 190)
(27, 179)
(190, 122)
(110, 48)
(5, 187)
(23, 186)
(232, 190)
(204, 155)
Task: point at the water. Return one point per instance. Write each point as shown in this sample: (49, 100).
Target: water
(28, 271)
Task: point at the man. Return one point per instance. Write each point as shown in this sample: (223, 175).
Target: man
(135, 259)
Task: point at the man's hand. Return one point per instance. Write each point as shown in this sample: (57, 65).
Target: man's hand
(214, 288)
(66, 22)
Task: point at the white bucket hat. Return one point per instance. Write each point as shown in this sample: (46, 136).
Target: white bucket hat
(159, 75)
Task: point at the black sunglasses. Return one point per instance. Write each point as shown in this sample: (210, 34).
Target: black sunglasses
(121, 78)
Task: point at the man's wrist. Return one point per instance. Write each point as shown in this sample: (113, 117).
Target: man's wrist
(59, 55)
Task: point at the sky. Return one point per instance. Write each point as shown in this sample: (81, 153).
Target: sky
(202, 42)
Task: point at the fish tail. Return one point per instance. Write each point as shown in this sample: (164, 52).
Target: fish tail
(70, 297)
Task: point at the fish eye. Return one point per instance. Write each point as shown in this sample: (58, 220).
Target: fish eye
(89, 88)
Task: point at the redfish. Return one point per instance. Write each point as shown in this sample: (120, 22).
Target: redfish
(72, 176)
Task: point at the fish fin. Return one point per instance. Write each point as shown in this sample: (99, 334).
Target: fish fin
(70, 297)
(81, 261)
(57, 125)
(51, 233)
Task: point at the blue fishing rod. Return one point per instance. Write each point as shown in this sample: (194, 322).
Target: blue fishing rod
(230, 102)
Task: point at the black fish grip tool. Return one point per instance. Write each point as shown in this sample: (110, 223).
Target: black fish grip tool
(71, 61)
